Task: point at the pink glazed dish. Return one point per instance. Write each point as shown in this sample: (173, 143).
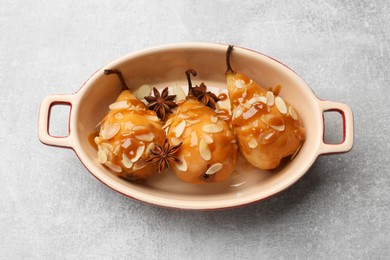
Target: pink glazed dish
(164, 66)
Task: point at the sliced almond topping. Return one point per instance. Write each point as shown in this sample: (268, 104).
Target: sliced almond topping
(281, 105)
(168, 123)
(138, 129)
(138, 153)
(175, 140)
(107, 146)
(274, 122)
(97, 140)
(237, 112)
(204, 150)
(207, 138)
(224, 104)
(180, 128)
(241, 83)
(216, 167)
(142, 91)
(145, 137)
(149, 147)
(212, 128)
(194, 139)
(126, 161)
(119, 105)
(113, 167)
(102, 157)
(249, 113)
(214, 119)
(252, 143)
(119, 116)
(179, 92)
(152, 118)
(192, 121)
(116, 150)
(126, 143)
(247, 104)
(129, 125)
(270, 98)
(110, 131)
(139, 164)
(183, 165)
(293, 113)
(258, 99)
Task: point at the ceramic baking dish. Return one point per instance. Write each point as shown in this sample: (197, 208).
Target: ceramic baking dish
(164, 66)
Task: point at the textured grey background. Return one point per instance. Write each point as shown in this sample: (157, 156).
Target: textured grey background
(52, 208)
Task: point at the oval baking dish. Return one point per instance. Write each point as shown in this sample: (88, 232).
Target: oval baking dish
(165, 66)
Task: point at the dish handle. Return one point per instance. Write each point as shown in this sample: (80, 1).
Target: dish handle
(348, 129)
(44, 120)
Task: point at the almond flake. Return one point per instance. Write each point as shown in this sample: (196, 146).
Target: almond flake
(126, 161)
(241, 83)
(113, 167)
(129, 125)
(281, 105)
(97, 140)
(224, 104)
(126, 143)
(138, 153)
(192, 121)
(175, 140)
(214, 119)
(142, 91)
(237, 112)
(179, 92)
(153, 118)
(212, 128)
(119, 105)
(145, 137)
(180, 128)
(119, 116)
(293, 113)
(208, 139)
(139, 164)
(168, 123)
(106, 146)
(149, 148)
(182, 166)
(194, 139)
(204, 150)
(216, 167)
(267, 120)
(252, 143)
(110, 131)
(116, 150)
(102, 157)
(270, 98)
(258, 99)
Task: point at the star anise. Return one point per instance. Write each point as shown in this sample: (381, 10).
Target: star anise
(162, 104)
(164, 155)
(200, 92)
(206, 97)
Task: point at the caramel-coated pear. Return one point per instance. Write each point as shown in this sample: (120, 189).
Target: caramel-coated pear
(208, 152)
(127, 134)
(267, 127)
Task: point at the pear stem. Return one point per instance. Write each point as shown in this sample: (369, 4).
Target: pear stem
(229, 68)
(190, 72)
(120, 76)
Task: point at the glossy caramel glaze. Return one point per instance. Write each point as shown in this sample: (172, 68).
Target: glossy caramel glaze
(127, 134)
(209, 151)
(267, 127)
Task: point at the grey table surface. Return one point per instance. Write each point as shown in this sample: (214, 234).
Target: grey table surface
(52, 208)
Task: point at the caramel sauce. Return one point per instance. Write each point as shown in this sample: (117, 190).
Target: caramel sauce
(222, 96)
